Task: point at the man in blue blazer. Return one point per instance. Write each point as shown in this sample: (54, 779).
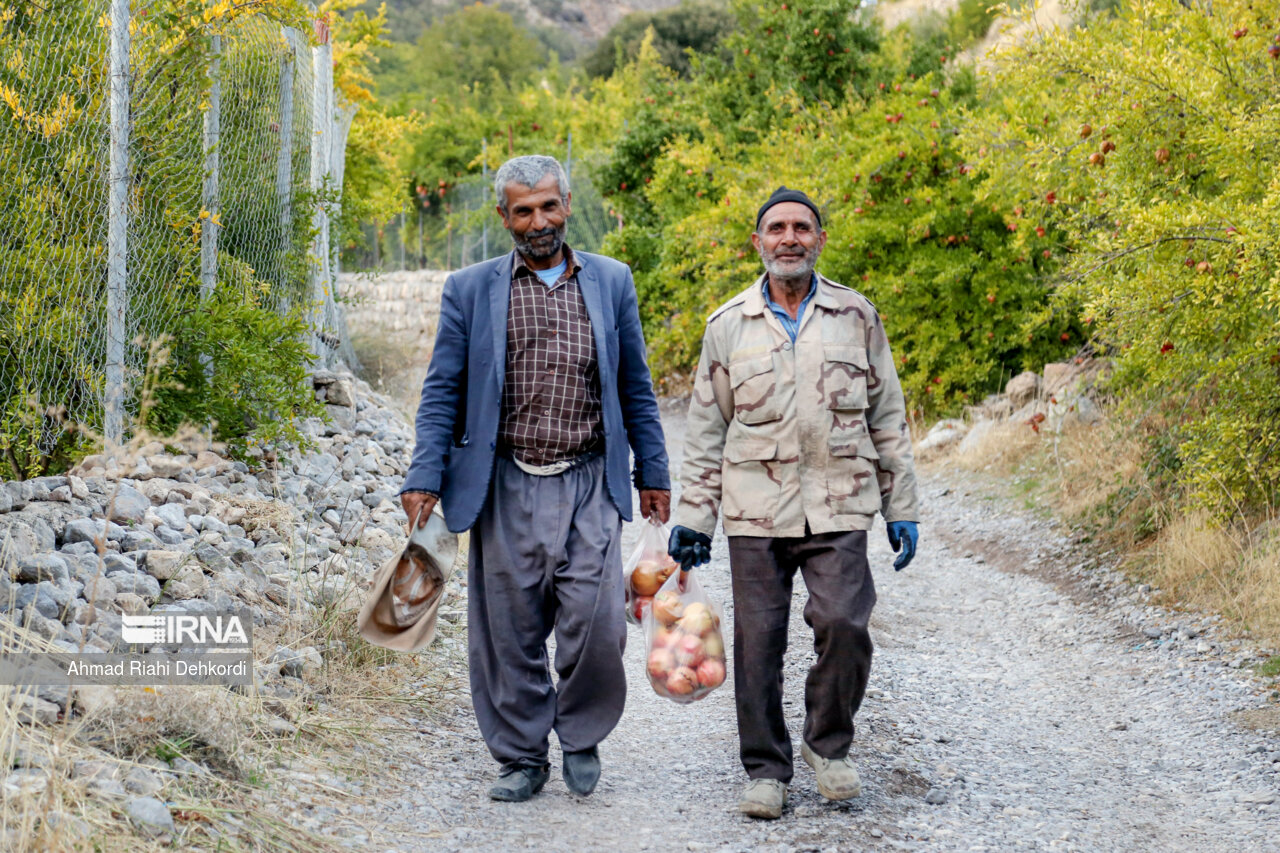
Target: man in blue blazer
(537, 393)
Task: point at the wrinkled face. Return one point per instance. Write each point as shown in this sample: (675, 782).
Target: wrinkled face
(536, 218)
(789, 240)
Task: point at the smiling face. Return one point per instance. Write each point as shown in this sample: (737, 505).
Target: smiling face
(789, 241)
(535, 217)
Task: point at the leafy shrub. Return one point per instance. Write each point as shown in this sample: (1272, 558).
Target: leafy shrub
(1151, 143)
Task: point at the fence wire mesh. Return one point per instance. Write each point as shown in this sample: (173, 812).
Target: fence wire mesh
(461, 227)
(218, 191)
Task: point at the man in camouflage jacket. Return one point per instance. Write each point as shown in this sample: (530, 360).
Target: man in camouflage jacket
(797, 432)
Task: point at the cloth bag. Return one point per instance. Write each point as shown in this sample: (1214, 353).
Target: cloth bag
(400, 612)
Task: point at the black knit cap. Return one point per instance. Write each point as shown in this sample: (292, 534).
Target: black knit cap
(782, 194)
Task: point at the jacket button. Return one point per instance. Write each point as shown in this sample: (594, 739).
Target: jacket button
(493, 445)
(786, 346)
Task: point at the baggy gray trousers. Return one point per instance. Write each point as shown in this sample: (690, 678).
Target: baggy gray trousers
(546, 555)
(841, 597)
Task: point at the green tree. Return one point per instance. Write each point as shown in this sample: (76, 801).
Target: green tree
(699, 27)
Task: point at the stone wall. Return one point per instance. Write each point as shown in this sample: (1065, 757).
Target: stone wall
(395, 309)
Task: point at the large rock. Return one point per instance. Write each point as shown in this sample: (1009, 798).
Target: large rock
(976, 436)
(166, 466)
(171, 515)
(32, 710)
(162, 565)
(1059, 376)
(1076, 409)
(139, 584)
(943, 434)
(150, 816)
(42, 567)
(339, 394)
(125, 503)
(18, 541)
(89, 529)
(1022, 388)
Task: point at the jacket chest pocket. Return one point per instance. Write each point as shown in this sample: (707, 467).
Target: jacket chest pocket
(754, 384)
(844, 376)
(752, 480)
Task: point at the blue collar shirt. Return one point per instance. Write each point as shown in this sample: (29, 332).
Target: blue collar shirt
(791, 326)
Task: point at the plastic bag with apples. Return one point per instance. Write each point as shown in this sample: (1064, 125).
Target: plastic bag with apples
(647, 569)
(684, 647)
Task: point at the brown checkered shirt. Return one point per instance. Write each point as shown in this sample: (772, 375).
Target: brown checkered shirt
(551, 407)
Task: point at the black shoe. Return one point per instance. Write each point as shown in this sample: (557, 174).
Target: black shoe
(582, 771)
(519, 783)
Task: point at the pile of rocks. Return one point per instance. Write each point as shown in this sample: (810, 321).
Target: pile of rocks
(288, 530)
(1059, 398)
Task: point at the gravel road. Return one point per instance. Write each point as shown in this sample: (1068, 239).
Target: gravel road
(1020, 699)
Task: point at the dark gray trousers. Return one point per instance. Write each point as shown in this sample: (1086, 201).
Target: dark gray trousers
(841, 596)
(545, 555)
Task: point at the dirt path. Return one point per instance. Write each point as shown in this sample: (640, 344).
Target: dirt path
(1044, 709)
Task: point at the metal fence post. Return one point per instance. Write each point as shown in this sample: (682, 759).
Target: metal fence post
(117, 226)
(321, 128)
(209, 195)
(484, 171)
(284, 157)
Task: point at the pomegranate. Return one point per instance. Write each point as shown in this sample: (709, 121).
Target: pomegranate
(682, 681)
(667, 607)
(697, 619)
(661, 664)
(638, 605)
(689, 650)
(710, 673)
(644, 578)
(713, 645)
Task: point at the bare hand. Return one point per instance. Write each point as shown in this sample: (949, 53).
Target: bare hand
(655, 501)
(419, 506)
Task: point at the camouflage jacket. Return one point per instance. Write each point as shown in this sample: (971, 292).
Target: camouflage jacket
(782, 433)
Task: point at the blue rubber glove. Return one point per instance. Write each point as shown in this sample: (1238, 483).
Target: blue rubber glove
(903, 535)
(689, 548)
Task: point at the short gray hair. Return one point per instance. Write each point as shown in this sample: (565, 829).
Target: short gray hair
(528, 171)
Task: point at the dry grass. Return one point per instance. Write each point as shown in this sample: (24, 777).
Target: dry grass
(1098, 480)
(393, 365)
(342, 706)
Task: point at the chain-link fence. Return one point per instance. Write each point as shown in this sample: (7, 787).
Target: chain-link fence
(148, 156)
(462, 227)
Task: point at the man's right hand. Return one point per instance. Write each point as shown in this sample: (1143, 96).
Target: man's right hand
(418, 505)
(689, 548)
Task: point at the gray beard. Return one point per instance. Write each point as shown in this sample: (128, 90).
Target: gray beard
(794, 280)
(525, 246)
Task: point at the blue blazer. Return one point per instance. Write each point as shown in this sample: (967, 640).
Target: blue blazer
(457, 423)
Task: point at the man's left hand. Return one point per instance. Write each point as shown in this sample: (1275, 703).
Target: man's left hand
(903, 536)
(655, 501)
